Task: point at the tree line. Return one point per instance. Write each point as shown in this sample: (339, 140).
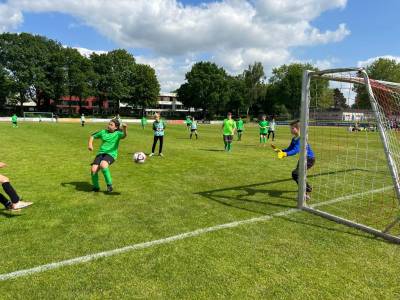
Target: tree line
(35, 68)
(211, 88)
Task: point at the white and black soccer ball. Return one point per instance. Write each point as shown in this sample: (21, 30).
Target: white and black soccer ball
(139, 157)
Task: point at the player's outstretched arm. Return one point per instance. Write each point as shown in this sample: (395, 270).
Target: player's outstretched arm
(124, 130)
(2, 165)
(90, 144)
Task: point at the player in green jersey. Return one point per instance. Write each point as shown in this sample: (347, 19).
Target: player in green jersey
(228, 128)
(107, 153)
(159, 131)
(240, 128)
(143, 122)
(264, 125)
(188, 122)
(193, 128)
(14, 121)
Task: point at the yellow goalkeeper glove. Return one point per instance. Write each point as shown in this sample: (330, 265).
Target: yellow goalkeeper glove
(282, 154)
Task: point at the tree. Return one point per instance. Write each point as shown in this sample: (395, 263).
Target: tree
(253, 77)
(339, 99)
(145, 86)
(237, 94)
(5, 87)
(207, 87)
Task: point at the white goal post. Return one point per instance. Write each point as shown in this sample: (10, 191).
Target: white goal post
(356, 168)
(39, 116)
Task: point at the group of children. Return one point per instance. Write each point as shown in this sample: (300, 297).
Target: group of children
(115, 131)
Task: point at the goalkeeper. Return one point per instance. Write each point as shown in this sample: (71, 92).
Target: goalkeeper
(293, 149)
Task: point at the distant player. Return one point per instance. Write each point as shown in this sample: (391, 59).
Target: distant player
(143, 122)
(158, 128)
(118, 118)
(193, 128)
(228, 127)
(83, 120)
(14, 202)
(293, 149)
(264, 126)
(271, 129)
(107, 153)
(14, 121)
(188, 122)
(240, 128)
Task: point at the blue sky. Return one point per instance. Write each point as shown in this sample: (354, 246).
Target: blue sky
(171, 36)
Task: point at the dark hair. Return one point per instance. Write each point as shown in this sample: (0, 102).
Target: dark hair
(295, 124)
(116, 122)
(229, 113)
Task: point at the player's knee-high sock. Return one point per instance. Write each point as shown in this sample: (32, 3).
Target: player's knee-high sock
(191, 135)
(229, 146)
(196, 136)
(107, 175)
(3, 200)
(95, 180)
(161, 144)
(11, 192)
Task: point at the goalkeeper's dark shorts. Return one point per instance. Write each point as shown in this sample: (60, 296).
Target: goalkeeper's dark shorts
(228, 138)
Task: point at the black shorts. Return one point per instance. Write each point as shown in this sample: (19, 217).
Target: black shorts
(106, 157)
(269, 131)
(193, 130)
(228, 138)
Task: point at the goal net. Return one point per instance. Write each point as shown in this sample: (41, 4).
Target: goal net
(39, 116)
(352, 124)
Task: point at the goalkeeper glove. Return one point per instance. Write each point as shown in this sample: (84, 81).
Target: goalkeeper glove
(282, 154)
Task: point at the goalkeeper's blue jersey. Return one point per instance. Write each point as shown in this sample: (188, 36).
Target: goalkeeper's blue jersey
(294, 148)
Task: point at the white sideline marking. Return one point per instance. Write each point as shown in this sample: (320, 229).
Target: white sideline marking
(90, 257)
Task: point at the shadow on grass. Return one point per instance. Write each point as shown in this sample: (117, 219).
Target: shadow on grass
(84, 186)
(244, 192)
(212, 150)
(9, 214)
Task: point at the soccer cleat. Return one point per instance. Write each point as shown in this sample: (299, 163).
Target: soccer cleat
(151, 154)
(96, 189)
(109, 188)
(162, 155)
(20, 205)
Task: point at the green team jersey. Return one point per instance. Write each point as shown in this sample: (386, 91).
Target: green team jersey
(188, 122)
(14, 119)
(229, 126)
(143, 121)
(240, 125)
(110, 142)
(264, 124)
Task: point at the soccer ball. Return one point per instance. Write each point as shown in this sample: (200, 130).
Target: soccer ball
(139, 157)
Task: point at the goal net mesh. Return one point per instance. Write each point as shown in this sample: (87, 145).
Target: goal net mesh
(352, 177)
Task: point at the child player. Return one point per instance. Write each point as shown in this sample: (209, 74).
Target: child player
(271, 129)
(264, 125)
(14, 121)
(158, 128)
(228, 127)
(14, 203)
(188, 122)
(143, 122)
(293, 149)
(108, 152)
(193, 128)
(83, 120)
(240, 128)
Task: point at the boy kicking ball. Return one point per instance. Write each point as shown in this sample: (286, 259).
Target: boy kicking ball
(14, 203)
(293, 149)
(108, 152)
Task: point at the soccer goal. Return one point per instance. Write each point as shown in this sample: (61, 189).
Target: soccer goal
(352, 124)
(39, 116)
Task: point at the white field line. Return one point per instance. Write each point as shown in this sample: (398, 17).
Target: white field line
(95, 256)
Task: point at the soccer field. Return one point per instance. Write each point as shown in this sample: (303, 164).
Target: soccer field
(266, 250)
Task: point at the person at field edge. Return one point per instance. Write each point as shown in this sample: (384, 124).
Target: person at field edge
(14, 202)
(143, 122)
(107, 153)
(193, 128)
(271, 129)
(228, 128)
(188, 122)
(293, 149)
(158, 128)
(264, 125)
(14, 121)
(83, 120)
(240, 128)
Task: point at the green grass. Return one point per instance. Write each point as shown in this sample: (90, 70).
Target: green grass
(195, 186)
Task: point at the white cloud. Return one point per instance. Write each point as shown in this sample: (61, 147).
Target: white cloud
(87, 52)
(367, 62)
(234, 33)
(10, 17)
